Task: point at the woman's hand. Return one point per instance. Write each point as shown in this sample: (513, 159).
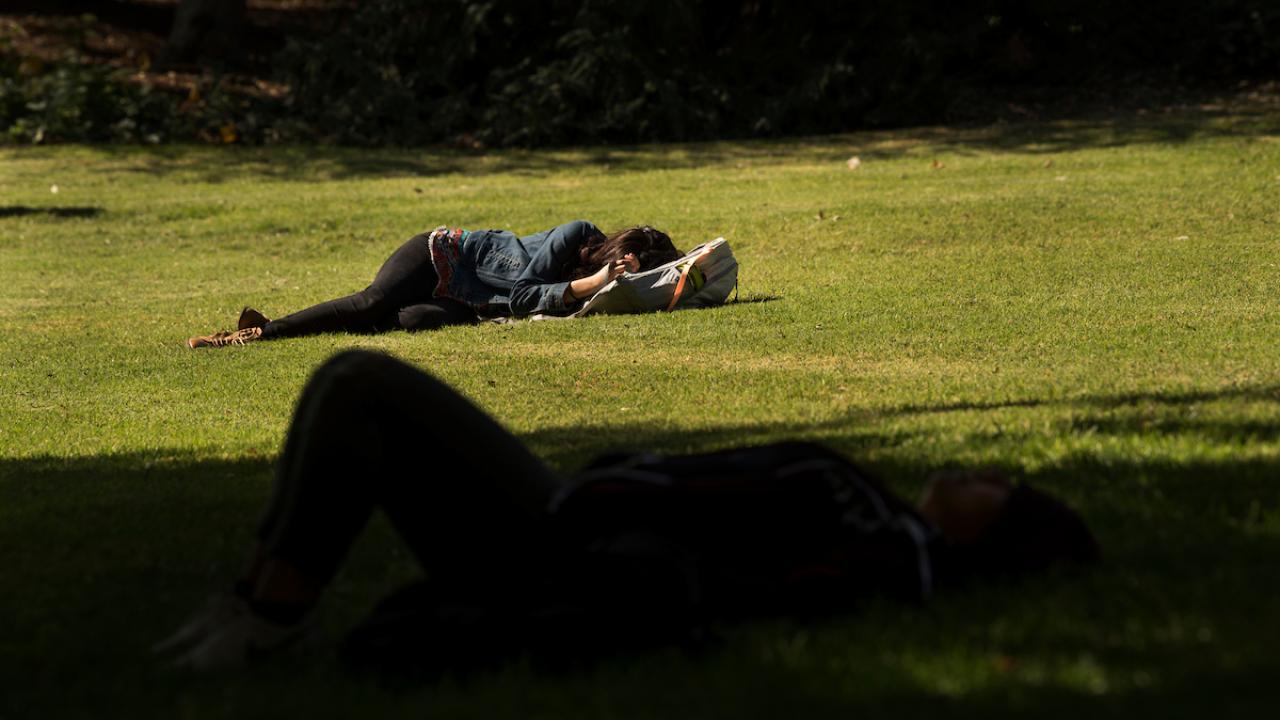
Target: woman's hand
(587, 286)
(628, 263)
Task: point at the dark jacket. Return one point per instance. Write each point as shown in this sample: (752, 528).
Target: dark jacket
(651, 550)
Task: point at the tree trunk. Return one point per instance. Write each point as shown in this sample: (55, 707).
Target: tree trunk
(206, 30)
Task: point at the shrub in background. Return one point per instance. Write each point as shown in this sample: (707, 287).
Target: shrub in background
(73, 99)
(69, 100)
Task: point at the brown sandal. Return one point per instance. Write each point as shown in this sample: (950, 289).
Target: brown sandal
(224, 338)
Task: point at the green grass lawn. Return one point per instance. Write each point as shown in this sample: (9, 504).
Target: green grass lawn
(1091, 306)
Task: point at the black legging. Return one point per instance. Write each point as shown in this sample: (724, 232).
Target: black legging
(398, 297)
(372, 432)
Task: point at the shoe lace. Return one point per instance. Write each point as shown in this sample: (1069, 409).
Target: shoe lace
(217, 339)
(240, 337)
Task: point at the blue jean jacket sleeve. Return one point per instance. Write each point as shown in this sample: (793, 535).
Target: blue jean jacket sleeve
(541, 287)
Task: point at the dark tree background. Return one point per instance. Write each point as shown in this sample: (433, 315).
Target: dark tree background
(560, 71)
(538, 72)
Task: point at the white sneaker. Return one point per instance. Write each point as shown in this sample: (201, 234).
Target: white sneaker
(217, 612)
(227, 634)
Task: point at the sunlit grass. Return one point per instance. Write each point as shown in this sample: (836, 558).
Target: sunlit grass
(1090, 306)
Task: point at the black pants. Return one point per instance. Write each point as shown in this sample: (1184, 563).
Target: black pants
(398, 297)
(371, 432)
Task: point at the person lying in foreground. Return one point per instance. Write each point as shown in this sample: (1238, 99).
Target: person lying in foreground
(452, 276)
(636, 547)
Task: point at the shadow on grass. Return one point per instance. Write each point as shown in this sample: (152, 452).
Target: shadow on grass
(1065, 136)
(54, 212)
(336, 163)
(858, 430)
(1266, 393)
(118, 548)
(753, 299)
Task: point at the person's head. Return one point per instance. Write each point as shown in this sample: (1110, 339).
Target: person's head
(1001, 528)
(651, 247)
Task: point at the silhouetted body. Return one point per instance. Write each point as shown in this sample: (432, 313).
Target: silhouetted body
(636, 548)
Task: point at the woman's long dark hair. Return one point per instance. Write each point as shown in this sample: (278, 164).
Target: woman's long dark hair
(652, 247)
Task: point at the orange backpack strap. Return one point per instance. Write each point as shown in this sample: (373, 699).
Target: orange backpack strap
(684, 276)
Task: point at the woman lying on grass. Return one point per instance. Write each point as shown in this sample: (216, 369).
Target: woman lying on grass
(637, 548)
(452, 276)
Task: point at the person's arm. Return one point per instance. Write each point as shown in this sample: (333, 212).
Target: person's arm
(542, 288)
(583, 288)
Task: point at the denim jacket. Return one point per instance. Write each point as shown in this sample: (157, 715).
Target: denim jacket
(498, 271)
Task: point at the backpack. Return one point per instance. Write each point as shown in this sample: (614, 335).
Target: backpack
(702, 278)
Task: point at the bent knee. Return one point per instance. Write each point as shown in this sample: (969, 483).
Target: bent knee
(435, 315)
(365, 379)
(371, 301)
(345, 360)
(350, 367)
